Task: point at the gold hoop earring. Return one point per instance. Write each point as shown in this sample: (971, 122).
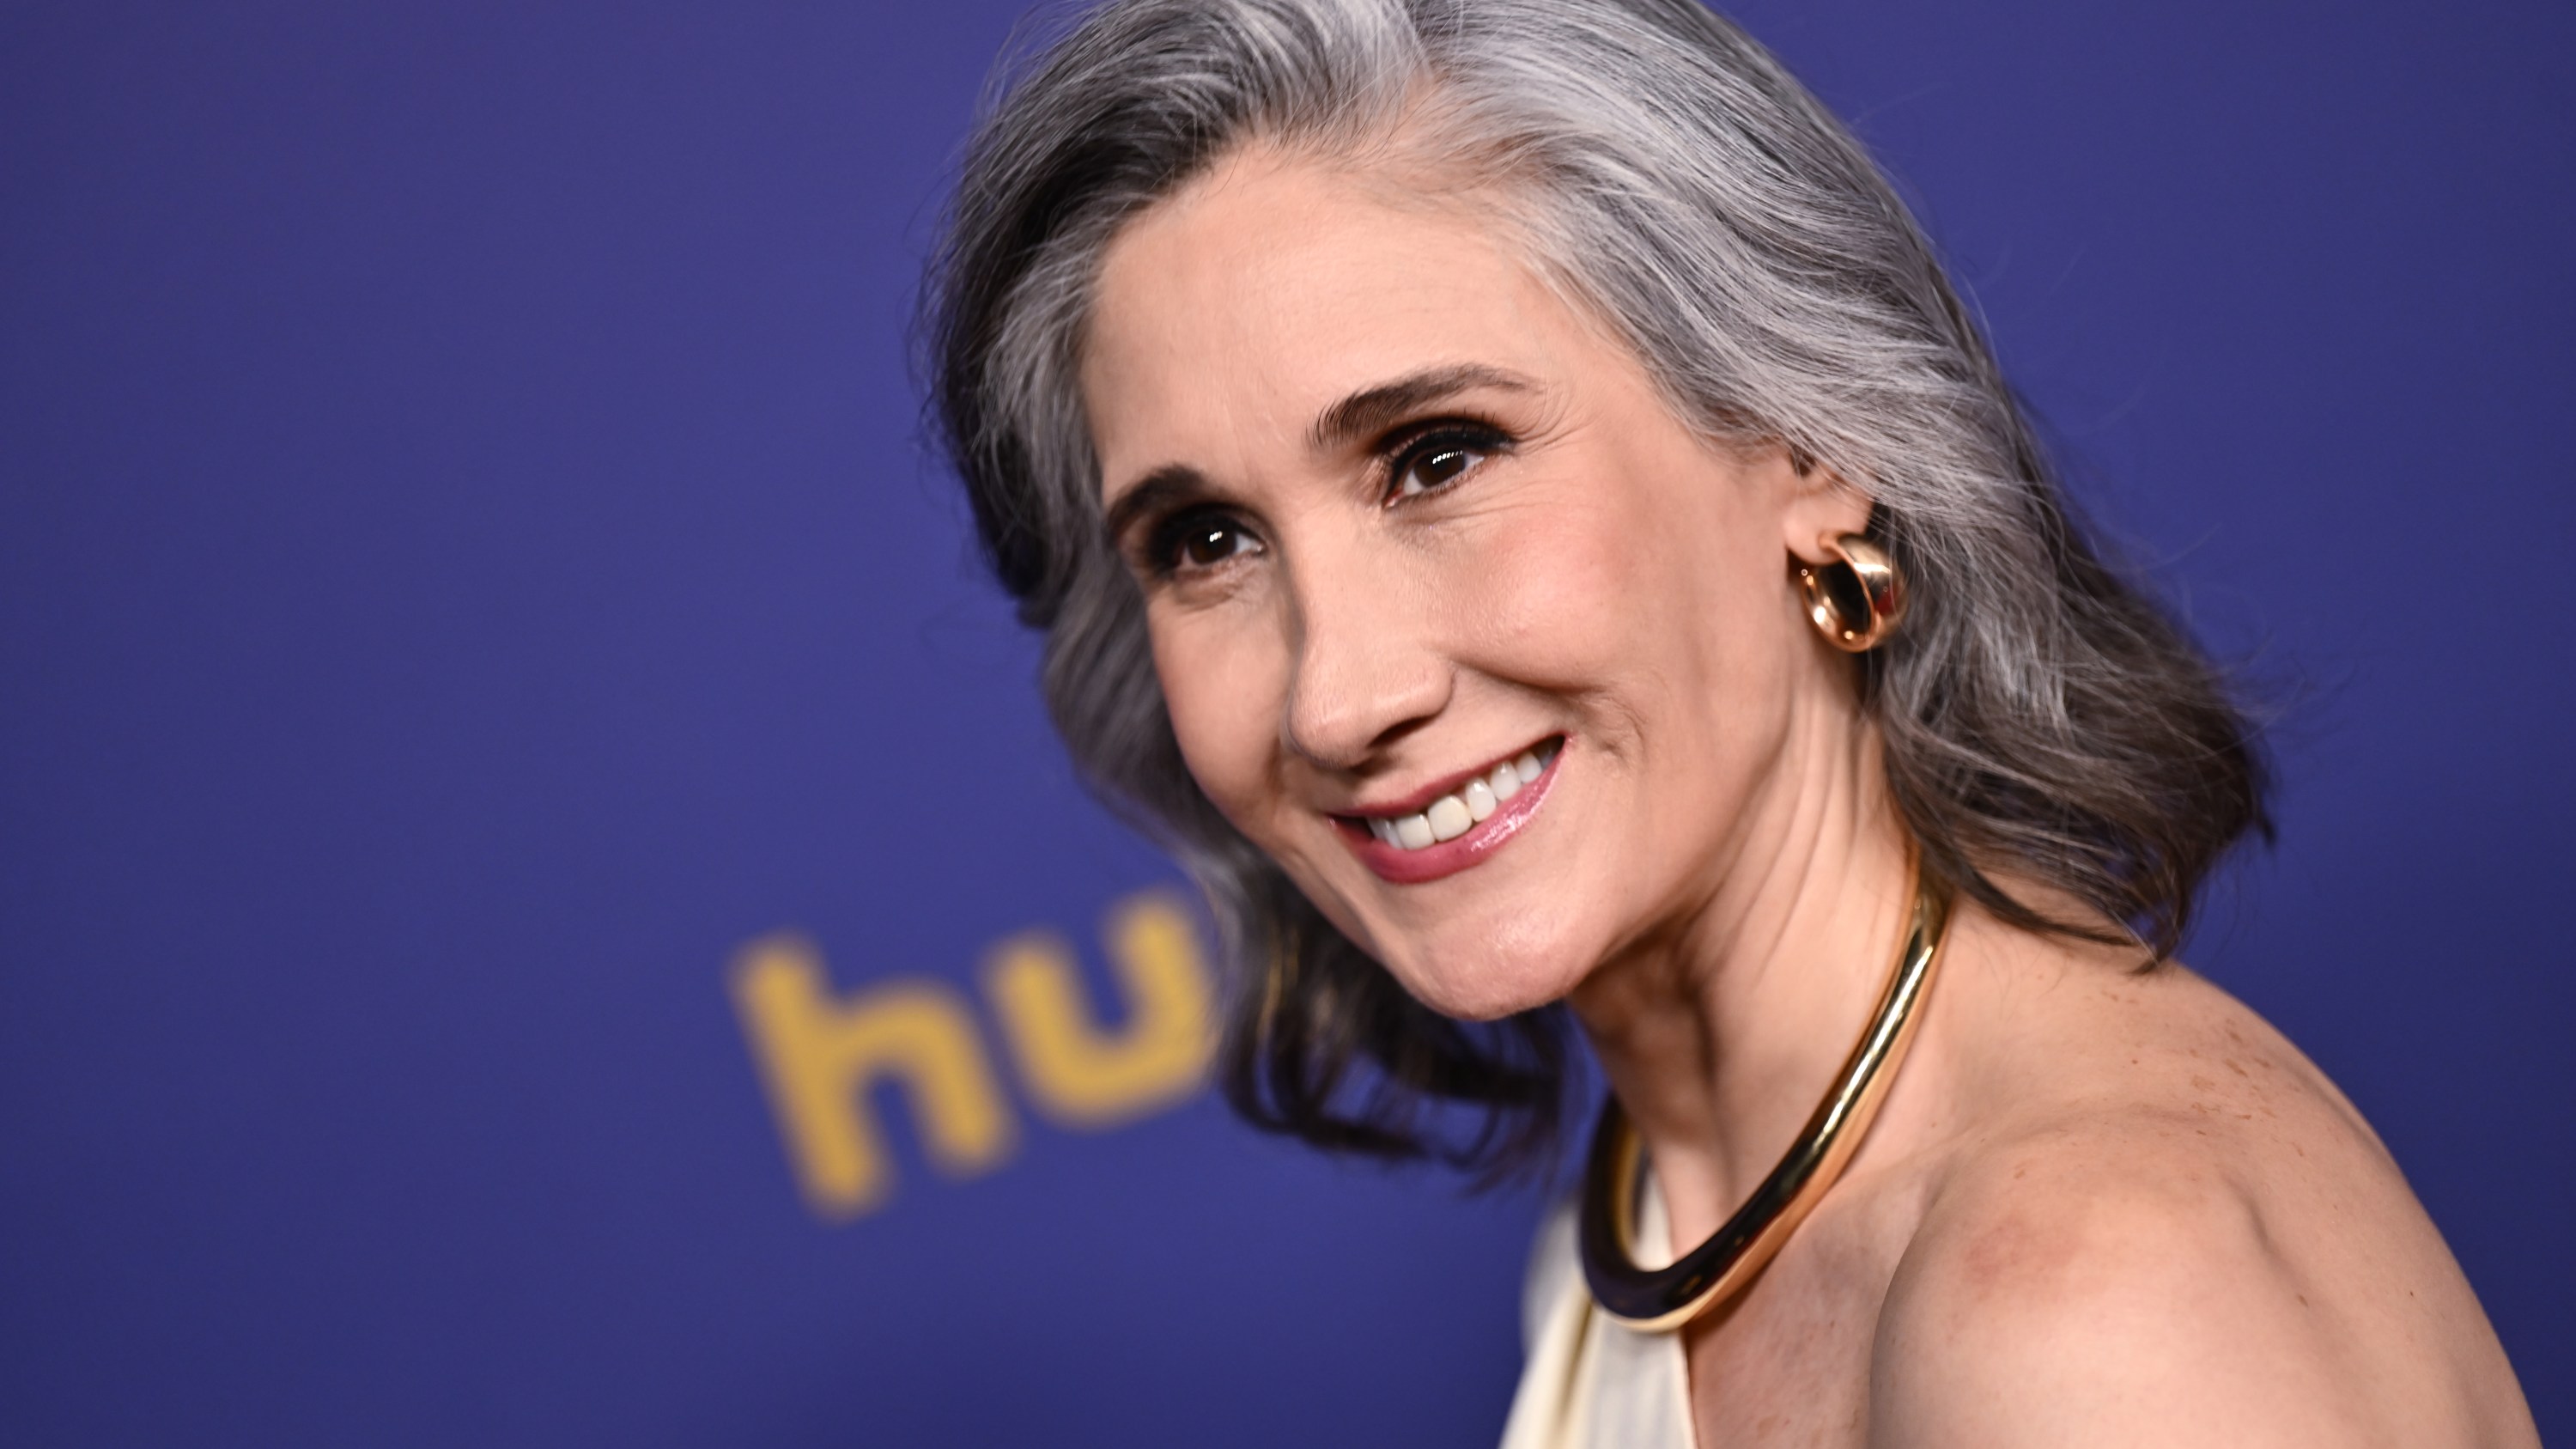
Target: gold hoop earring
(1873, 593)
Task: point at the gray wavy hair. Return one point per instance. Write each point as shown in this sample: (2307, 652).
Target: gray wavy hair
(2043, 719)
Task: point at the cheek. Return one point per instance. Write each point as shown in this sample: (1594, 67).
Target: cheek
(1629, 592)
(1223, 687)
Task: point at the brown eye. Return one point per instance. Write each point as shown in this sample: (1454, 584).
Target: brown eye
(1198, 539)
(1440, 467)
(1438, 459)
(1210, 543)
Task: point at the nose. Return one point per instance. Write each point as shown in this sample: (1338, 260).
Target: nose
(1368, 669)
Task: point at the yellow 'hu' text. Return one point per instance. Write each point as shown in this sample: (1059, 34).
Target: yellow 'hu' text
(821, 1053)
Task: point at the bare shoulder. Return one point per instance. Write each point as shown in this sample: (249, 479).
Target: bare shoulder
(2189, 1239)
(2103, 1287)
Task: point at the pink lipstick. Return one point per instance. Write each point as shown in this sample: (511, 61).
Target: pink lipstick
(1450, 825)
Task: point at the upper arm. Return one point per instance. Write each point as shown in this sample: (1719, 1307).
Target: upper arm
(2116, 1303)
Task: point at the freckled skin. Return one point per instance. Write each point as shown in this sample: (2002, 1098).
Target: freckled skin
(2098, 1208)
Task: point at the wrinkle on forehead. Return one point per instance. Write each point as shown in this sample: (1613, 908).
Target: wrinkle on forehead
(1427, 162)
(1410, 171)
(1272, 289)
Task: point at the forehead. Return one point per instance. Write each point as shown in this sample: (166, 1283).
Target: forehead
(1266, 290)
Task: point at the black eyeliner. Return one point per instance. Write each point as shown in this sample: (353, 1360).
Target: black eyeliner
(1406, 446)
(1167, 532)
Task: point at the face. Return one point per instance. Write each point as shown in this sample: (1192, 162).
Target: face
(1498, 659)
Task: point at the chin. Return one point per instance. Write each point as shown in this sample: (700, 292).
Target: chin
(1478, 957)
(1489, 977)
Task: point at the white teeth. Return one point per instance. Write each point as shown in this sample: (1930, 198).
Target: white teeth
(1480, 799)
(1451, 816)
(1448, 817)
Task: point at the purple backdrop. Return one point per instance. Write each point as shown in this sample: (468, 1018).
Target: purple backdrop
(468, 565)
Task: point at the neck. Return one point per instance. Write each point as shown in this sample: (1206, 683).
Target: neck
(1721, 1032)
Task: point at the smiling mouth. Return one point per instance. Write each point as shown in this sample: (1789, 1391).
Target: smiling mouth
(1459, 826)
(1466, 806)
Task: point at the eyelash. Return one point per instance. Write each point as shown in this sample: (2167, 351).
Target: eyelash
(1403, 452)
(1176, 530)
(1433, 440)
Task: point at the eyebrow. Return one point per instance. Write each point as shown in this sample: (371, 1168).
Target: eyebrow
(1155, 493)
(1362, 414)
(1372, 410)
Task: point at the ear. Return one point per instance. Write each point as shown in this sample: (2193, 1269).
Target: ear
(1821, 508)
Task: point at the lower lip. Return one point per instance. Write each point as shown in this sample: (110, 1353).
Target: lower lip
(1432, 862)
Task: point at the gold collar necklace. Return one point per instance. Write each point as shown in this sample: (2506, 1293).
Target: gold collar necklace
(1661, 1298)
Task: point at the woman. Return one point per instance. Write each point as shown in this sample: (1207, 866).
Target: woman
(1513, 500)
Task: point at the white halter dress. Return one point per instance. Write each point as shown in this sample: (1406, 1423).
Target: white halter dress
(1590, 1381)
